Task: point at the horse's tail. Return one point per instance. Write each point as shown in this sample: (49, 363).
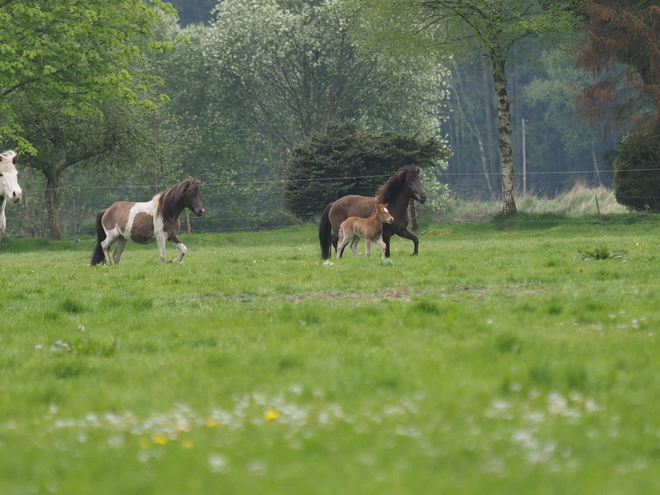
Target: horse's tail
(97, 255)
(325, 232)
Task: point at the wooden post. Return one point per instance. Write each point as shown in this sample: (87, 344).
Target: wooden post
(413, 214)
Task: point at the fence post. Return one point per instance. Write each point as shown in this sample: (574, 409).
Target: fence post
(75, 221)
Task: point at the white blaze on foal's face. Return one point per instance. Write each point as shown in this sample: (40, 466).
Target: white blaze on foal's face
(385, 214)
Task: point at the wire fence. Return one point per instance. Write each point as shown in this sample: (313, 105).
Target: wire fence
(259, 204)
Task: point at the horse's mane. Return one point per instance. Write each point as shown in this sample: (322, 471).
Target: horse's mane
(388, 191)
(173, 196)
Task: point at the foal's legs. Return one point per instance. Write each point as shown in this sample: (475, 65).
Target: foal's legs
(354, 244)
(343, 240)
(121, 244)
(381, 243)
(367, 246)
(180, 246)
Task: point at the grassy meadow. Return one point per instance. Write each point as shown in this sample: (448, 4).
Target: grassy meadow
(510, 356)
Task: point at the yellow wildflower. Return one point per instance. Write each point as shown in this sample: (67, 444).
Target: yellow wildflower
(159, 439)
(271, 414)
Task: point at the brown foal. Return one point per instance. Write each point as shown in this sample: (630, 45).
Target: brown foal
(371, 229)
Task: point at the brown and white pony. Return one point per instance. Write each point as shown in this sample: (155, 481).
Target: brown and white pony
(371, 229)
(399, 189)
(9, 188)
(157, 220)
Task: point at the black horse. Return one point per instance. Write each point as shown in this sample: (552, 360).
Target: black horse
(397, 192)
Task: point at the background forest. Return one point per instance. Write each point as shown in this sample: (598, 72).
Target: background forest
(236, 86)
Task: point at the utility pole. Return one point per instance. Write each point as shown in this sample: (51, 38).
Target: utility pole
(524, 159)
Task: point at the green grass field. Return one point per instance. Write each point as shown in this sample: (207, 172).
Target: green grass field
(508, 357)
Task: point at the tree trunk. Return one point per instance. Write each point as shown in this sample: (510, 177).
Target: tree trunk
(506, 151)
(52, 185)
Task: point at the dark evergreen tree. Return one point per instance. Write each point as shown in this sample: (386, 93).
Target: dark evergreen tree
(343, 160)
(637, 177)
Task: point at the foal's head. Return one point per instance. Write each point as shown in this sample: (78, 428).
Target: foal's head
(383, 214)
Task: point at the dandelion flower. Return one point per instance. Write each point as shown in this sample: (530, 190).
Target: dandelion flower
(271, 414)
(159, 439)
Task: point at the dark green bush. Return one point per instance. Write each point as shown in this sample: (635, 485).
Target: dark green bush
(343, 160)
(637, 171)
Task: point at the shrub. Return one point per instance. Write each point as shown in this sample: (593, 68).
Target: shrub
(637, 175)
(343, 160)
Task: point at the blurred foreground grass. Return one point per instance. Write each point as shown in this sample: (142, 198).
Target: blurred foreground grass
(502, 359)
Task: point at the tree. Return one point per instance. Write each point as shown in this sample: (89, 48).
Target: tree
(117, 136)
(622, 47)
(492, 27)
(266, 74)
(294, 68)
(77, 53)
(342, 160)
(217, 141)
(636, 175)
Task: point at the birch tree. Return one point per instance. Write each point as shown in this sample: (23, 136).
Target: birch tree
(463, 27)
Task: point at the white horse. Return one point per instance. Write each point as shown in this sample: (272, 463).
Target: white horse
(9, 188)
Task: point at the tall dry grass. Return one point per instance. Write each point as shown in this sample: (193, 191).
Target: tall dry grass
(578, 201)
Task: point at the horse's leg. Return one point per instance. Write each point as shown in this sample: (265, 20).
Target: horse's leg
(382, 245)
(354, 244)
(121, 244)
(180, 246)
(342, 244)
(367, 246)
(3, 218)
(405, 233)
(336, 241)
(105, 246)
(386, 241)
(160, 241)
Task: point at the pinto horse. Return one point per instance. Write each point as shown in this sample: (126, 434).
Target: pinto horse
(157, 220)
(370, 228)
(397, 192)
(9, 188)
